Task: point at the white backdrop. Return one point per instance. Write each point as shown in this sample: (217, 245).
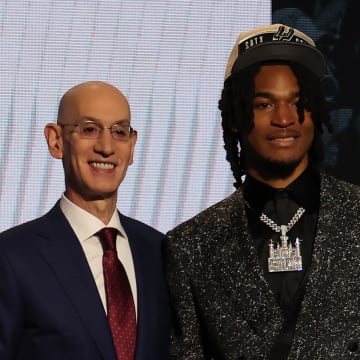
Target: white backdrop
(168, 58)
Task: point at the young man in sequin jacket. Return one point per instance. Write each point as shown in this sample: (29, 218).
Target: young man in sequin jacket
(272, 271)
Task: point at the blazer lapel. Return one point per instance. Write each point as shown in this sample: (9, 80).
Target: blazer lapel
(60, 247)
(244, 273)
(330, 294)
(142, 258)
(231, 278)
(153, 325)
(327, 245)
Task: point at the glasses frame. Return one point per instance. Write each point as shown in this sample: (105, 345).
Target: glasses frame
(102, 128)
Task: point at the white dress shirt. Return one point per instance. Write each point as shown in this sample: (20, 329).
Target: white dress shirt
(85, 225)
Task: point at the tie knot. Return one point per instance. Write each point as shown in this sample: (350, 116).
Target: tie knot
(107, 238)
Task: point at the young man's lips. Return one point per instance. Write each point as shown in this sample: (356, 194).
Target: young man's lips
(284, 136)
(285, 139)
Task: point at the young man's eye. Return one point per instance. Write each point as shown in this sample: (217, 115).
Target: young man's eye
(262, 105)
(296, 103)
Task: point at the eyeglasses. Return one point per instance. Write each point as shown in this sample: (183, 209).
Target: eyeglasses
(92, 130)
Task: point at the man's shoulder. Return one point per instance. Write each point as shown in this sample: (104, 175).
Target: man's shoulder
(218, 215)
(31, 227)
(337, 187)
(339, 200)
(139, 226)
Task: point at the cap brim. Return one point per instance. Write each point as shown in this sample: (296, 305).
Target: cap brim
(303, 54)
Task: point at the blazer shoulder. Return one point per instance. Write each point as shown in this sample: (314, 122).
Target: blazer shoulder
(339, 190)
(217, 218)
(22, 232)
(134, 225)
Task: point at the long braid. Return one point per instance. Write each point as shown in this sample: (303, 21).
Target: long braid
(235, 106)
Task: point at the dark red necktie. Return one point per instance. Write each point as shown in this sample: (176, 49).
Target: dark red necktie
(120, 303)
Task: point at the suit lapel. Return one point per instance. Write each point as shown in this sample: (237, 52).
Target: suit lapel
(329, 273)
(243, 278)
(142, 257)
(64, 255)
(326, 242)
(153, 327)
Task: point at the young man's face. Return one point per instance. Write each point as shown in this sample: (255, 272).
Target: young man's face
(278, 142)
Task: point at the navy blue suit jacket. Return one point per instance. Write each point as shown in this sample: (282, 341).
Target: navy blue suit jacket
(49, 304)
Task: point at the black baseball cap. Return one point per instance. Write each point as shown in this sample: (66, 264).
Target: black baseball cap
(275, 42)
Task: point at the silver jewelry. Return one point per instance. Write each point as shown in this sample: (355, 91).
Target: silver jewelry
(284, 257)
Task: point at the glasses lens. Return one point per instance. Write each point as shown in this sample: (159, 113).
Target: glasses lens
(120, 132)
(90, 130)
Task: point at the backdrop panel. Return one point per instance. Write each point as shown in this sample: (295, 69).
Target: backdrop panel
(168, 57)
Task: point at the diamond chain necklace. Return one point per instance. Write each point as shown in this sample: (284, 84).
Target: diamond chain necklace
(282, 228)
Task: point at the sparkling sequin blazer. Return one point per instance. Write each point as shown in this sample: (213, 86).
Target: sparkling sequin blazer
(223, 306)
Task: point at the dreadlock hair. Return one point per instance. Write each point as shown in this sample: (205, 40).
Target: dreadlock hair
(236, 106)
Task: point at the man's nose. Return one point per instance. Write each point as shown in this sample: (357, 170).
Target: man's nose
(105, 142)
(285, 115)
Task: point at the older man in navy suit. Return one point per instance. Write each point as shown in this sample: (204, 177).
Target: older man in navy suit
(54, 299)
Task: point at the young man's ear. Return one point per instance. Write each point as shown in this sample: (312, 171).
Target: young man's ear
(54, 140)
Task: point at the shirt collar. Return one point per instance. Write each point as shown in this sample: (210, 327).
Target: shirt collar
(304, 190)
(85, 224)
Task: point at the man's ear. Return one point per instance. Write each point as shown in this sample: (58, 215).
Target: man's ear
(53, 135)
(133, 140)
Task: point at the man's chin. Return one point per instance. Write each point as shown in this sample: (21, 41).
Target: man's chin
(278, 169)
(99, 194)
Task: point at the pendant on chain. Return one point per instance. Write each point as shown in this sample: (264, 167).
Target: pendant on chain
(284, 256)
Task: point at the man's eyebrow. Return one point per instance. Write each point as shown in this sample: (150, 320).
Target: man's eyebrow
(262, 94)
(293, 94)
(92, 119)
